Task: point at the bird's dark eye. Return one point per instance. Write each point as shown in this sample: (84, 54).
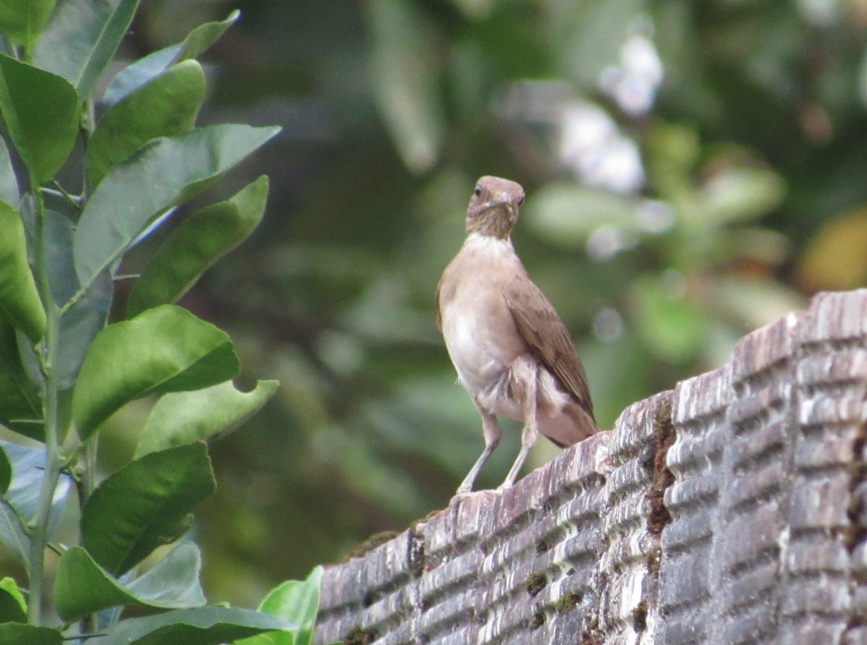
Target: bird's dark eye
(520, 201)
(478, 190)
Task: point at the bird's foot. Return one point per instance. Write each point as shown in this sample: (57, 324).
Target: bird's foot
(465, 494)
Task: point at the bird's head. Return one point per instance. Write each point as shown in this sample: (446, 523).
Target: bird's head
(493, 208)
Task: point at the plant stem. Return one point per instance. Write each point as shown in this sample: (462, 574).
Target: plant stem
(54, 461)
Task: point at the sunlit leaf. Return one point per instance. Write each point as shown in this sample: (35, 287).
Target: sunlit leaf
(198, 626)
(404, 77)
(22, 21)
(13, 607)
(165, 107)
(42, 113)
(185, 417)
(131, 195)
(144, 69)
(19, 300)
(83, 587)
(81, 39)
(295, 602)
(144, 505)
(166, 349)
(196, 244)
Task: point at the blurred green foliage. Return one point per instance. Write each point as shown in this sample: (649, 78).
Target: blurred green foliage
(673, 206)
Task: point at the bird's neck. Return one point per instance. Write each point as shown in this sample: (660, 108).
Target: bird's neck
(490, 224)
(481, 244)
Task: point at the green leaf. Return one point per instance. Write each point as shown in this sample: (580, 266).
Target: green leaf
(8, 182)
(12, 531)
(81, 40)
(23, 20)
(737, 194)
(13, 607)
(20, 634)
(567, 213)
(405, 81)
(162, 174)
(173, 582)
(143, 70)
(5, 472)
(673, 327)
(79, 324)
(295, 602)
(196, 244)
(144, 505)
(198, 626)
(83, 587)
(166, 349)
(185, 417)
(165, 107)
(19, 298)
(42, 114)
(20, 404)
(19, 505)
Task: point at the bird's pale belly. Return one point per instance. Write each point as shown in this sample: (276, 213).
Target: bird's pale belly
(482, 364)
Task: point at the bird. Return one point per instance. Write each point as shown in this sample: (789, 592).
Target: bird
(512, 353)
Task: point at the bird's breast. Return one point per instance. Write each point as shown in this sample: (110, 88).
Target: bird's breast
(480, 334)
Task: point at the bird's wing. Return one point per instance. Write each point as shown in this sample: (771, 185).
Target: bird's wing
(542, 329)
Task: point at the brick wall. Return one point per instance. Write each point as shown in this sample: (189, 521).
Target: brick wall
(729, 510)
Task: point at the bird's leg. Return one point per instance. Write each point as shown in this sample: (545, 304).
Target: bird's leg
(529, 402)
(492, 432)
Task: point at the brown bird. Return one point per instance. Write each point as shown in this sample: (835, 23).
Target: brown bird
(513, 354)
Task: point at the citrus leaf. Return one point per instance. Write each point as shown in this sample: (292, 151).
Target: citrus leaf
(80, 323)
(19, 505)
(20, 404)
(83, 587)
(166, 349)
(293, 601)
(42, 114)
(165, 107)
(19, 300)
(5, 472)
(162, 174)
(81, 39)
(21, 634)
(8, 182)
(185, 417)
(143, 70)
(198, 626)
(196, 244)
(22, 21)
(144, 505)
(13, 607)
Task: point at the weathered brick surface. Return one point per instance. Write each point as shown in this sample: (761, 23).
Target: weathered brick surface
(730, 510)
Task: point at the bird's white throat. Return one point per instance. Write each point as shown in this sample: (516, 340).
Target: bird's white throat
(488, 245)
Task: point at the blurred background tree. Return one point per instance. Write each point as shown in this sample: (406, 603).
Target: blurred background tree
(694, 170)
